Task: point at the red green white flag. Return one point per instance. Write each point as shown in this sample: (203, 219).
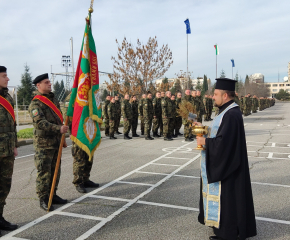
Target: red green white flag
(85, 103)
(216, 49)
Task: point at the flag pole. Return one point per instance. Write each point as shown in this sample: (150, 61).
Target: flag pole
(216, 65)
(57, 166)
(187, 64)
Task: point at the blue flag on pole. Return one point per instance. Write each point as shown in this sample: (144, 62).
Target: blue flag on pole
(188, 31)
(233, 62)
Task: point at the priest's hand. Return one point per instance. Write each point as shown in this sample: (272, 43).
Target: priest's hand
(200, 140)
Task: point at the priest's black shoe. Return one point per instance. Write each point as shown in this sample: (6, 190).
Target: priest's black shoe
(58, 200)
(81, 188)
(4, 225)
(44, 204)
(112, 137)
(135, 135)
(188, 139)
(91, 184)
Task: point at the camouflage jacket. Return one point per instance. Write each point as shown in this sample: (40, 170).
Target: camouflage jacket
(178, 101)
(126, 109)
(107, 102)
(166, 104)
(134, 105)
(45, 122)
(200, 109)
(112, 112)
(140, 107)
(237, 100)
(157, 110)
(8, 135)
(118, 108)
(148, 108)
(174, 113)
(187, 98)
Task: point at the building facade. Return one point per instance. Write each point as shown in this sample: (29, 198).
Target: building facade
(256, 78)
(276, 86)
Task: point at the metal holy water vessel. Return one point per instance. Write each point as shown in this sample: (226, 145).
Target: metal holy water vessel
(199, 131)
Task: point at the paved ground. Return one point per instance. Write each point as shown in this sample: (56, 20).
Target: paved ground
(150, 189)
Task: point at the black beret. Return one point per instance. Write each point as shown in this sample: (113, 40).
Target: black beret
(225, 84)
(40, 78)
(3, 69)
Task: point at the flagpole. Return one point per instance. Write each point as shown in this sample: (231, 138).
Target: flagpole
(232, 72)
(187, 63)
(216, 65)
(57, 166)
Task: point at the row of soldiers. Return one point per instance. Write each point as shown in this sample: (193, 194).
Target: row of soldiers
(251, 104)
(159, 113)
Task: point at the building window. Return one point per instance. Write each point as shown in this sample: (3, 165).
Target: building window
(275, 85)
(281, 85)
(268, 85)
(275, 90)
(287, 85)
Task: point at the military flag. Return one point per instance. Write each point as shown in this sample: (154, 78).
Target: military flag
(216, 49)
(85, 104)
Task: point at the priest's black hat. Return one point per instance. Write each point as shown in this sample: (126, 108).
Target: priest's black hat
(40, 78)
(3, 69)
(225, 84)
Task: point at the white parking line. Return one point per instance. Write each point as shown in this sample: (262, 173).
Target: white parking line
(168, 206)
(271, 184)
(78, 215)
(164, 164)
(135, 183)
(165, 174)
(110, 198)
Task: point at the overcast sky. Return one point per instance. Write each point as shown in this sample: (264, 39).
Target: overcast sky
(255, 33)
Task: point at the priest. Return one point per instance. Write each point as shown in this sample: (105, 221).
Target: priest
(226, 201)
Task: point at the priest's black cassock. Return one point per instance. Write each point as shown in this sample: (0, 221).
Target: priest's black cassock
(227, 162)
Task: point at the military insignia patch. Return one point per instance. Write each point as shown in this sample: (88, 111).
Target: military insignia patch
(66, 104)
(35, 112)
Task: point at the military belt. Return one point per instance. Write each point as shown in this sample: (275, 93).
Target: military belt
(7, 129)
(42, 133)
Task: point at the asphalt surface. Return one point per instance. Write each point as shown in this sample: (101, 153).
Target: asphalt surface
(150, 189)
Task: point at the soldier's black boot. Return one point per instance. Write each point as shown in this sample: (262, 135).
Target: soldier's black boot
(148, 137)
(5, 225)
(167, 138)
(44, 204)
(91, 184)
(118, 132)
(81, 188)
(112, 136)
(188, 139)
(58, 200)
(155, 134)
(135, 135)
(126, 136)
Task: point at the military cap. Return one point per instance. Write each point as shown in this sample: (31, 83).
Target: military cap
(40, 78)
(3, 69)
(225, 84)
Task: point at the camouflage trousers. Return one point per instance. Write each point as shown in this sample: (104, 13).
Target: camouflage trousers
(45, 161)
(187, 129)
(199, 118)
(112, 127)
(107, 126)
(254, 109)
(142, 124)
(177, 124)
(208, 114)
(127, 125)
(6, 171)
(157, 123)
(117, 123)
(148, 125)
(172, 126)
(167, 125)
(134, 125)
(81, 165)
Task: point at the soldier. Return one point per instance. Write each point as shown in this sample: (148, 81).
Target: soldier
(255, 104)
(118, 114)
(148, 115)
(106, 116)
(134, 105)
(8, 145)
(186, 123)
(127, 115)
(48, 126)
(173, 122)
(81, 165)
(167, 116)
(178, 119)
(140, 107)
(112, 114)
(237, 100)
(157, 114)
(210, 107)
(162, 95)
(246, 105)
(200, 109)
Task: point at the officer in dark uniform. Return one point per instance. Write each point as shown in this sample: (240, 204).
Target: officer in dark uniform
(8, 145)
(134, 105)
(118, 114)
(112, 113)
(148, 115)
(127, 115)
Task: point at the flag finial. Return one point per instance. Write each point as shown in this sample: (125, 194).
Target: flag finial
(91, 10)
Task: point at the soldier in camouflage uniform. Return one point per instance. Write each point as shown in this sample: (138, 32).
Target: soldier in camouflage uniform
(255, 104)
(106, 116)
(127, 115)
(140, 107)
(174, 113)
(186, 123)
(148, 115)
(166, 105)
(118, 114)
(237, 100)
(8, 146)
(134, 105)
(48, 129)
(157, 114)
(200, 109)
(178, 119)
(246, 106)
(81, 165)
(242, 104)
(210, 107)
(112, 113)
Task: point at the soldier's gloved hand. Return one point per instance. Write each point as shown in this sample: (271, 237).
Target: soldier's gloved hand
(64, 129)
